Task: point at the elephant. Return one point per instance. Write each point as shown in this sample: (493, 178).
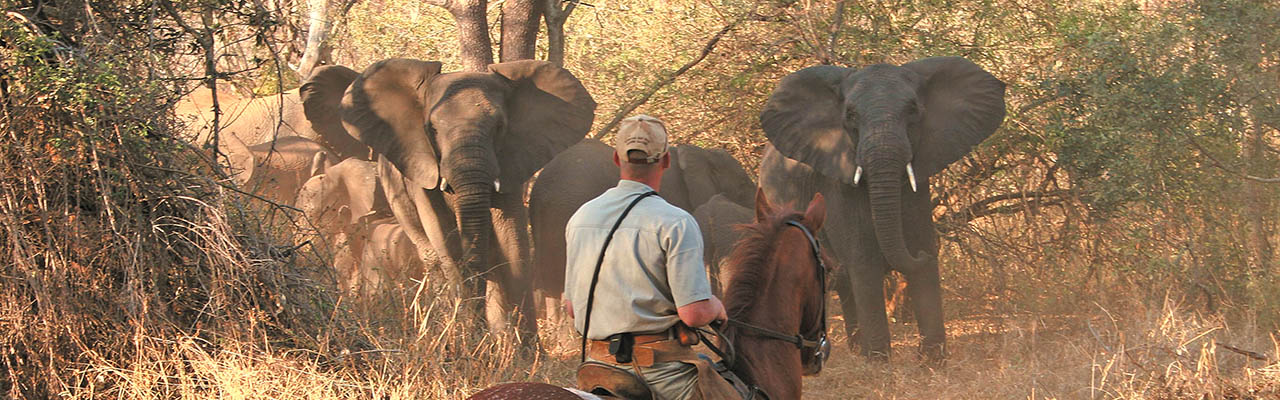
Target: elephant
(718, 219)
(387, 260)
(275, 170)
(454, 151)
(262, 119)
(340, 195)
(869, 139)
(345, 202)
(586, 170)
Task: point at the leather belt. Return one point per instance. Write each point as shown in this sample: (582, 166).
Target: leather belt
(648, 350)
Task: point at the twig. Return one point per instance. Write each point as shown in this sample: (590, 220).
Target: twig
(210, 66)
(1251, 354)
(1221, 165)
(1097, 337)
(667, 80)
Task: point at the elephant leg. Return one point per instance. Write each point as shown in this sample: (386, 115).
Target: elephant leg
(419, 213)
(440, 228)
(925, 289)
(848, 306)
(511, 241)
(873, 324)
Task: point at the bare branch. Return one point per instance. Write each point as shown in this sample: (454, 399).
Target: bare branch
(983, 208)
(668, 79)
(1220, 165)
(835, 33)
(205, 40)
(1251, 354)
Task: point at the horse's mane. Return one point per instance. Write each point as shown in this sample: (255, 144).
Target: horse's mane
(748, 262)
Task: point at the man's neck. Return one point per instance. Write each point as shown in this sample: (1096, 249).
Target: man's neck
(647, 180)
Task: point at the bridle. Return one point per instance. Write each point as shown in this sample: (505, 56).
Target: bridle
(821, 347)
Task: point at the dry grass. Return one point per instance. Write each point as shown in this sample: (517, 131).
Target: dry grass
(1116, 352)
(1142, 353)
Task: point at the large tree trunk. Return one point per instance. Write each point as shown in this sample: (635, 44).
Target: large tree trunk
(556, 17)
(318, 49)
(475, 50)
(519, 29)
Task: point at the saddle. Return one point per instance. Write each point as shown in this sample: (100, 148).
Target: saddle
(608, 380)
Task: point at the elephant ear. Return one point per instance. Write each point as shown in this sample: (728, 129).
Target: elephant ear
(240, 157)
(804, 119)
(321, 98)
(548, 110)
(962, 105)
(385, 108)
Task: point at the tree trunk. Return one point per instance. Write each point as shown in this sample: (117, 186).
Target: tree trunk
(317, 38)
(1256, 203)
(519, 29)
(475, 50)
(556, 17)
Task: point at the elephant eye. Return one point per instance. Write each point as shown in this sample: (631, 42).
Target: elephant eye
(913, 108)
(850, 116)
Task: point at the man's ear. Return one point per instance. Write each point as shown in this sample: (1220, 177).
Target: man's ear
(616, 161)
(666, 160)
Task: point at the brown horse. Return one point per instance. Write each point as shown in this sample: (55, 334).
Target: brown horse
(776, 285)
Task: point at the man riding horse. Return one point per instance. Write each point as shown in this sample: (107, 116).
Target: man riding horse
(635, 282)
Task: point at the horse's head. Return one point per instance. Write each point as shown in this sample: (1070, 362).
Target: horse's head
(777, 295)
(799, 260)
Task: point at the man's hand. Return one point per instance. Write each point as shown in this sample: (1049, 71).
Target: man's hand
(701, 313)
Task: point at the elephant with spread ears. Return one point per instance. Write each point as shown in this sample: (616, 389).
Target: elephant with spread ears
(454, 151)
(868, 139)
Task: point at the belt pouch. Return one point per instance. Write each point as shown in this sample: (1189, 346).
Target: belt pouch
(620, 346)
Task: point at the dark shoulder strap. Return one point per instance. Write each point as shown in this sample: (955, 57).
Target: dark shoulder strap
(595, 276)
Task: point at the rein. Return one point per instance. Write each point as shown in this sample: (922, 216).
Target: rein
(822, 348)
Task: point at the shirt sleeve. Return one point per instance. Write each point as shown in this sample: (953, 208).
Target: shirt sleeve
(685, 271)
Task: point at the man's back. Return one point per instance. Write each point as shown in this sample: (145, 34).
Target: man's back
(652, 267)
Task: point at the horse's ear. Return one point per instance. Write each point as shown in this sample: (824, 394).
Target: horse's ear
(816, 212)
(763, 208)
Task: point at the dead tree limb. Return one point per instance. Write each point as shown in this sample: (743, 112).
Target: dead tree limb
(205, 40)
(1219, 164)
(836, 23)
(1251, 354)
(667, 79)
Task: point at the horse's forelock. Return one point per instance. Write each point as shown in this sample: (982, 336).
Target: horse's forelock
(748, 264)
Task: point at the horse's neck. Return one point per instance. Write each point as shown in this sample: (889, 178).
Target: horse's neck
(773, 365)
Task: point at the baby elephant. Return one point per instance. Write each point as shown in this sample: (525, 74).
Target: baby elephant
(387, 260)
(346, 205)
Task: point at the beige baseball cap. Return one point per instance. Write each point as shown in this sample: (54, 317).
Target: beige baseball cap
(644, 133)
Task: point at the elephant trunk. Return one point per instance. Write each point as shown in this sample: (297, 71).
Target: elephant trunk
(474, 189)
(474, 224)
(884, 180)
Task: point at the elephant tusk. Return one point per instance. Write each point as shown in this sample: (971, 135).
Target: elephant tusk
(911, 177)
(857, 175)
(497, 186)
(444, 183)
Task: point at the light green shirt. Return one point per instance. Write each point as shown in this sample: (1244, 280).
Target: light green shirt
(653, 265)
